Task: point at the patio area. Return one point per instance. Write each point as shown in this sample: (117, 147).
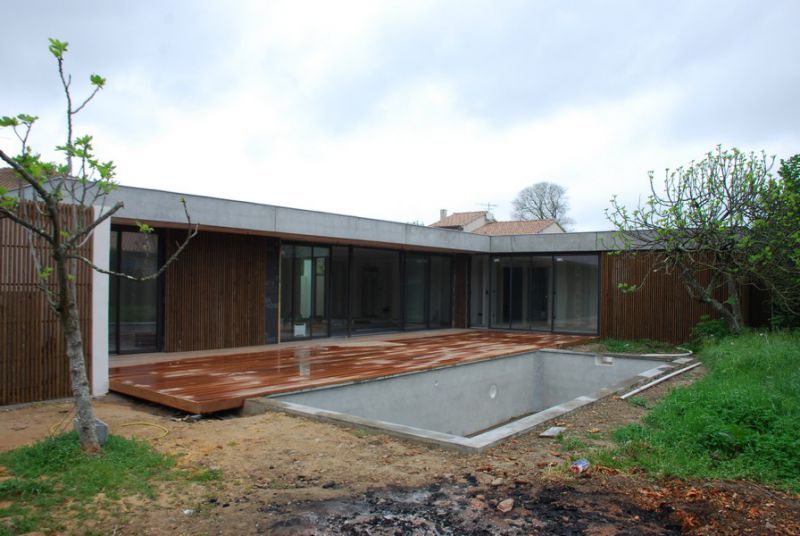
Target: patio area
(216, 380)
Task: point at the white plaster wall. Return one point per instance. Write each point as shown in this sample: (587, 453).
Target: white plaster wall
(101, 246)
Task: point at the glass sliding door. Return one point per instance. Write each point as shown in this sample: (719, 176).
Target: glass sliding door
(416, 291)
(501, 292)
(539, 285)
(375, 289)
(319, 317)
(519, 293)
(134, 306)
(479, 291)
(576, 293)
(338, 279)
(303, 278)
(347, 290)
(287, 291)
(440, 292)
(304, 297)
(545, 293)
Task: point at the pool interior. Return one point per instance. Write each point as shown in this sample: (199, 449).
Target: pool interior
(475, 405)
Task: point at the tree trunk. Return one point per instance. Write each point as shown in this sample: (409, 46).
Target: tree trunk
(732, 314)
(734, 300)
(70, 323)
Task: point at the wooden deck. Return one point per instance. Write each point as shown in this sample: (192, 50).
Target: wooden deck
(209, 381)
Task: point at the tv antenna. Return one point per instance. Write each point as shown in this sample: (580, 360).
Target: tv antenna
(489, 206)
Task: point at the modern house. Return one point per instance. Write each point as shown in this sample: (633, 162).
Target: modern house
(259, 274)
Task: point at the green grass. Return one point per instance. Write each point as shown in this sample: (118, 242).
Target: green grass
(54, 474)
(641, 346)
(571, 442)
(741, 421)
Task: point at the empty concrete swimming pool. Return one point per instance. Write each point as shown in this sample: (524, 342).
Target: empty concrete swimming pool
(472, 406)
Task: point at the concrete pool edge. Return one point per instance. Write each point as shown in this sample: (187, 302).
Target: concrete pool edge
(480, 441)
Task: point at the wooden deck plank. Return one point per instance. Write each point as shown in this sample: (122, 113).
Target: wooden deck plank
(213, 382)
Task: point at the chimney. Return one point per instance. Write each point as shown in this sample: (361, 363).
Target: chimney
(442, 213)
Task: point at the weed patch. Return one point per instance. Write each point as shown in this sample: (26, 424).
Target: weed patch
(738, 422)
(641, 346)
(54, 474)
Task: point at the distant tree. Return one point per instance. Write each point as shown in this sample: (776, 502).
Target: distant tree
(543, 201)
(80, 182)
(706, 223)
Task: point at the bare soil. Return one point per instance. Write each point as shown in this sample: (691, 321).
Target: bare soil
(290, 475)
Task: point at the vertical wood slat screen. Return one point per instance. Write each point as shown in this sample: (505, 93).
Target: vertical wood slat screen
(33, 360)
(662, 309)
(215, 292)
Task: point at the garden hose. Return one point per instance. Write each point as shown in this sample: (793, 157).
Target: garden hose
(164, 429)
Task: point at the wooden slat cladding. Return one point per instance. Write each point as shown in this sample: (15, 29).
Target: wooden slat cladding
(460, 291)
(662, 309)
(215, 292)
(33, 360)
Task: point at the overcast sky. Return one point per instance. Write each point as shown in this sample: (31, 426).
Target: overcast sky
(394, 110)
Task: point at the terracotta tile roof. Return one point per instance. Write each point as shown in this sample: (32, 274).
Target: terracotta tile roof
(459, 219)
(8, 179)
(514, 227)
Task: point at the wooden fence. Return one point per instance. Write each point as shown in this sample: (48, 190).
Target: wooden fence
(662, 309)
(33, 361)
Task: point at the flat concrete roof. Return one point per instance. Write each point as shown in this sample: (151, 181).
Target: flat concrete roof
(163, 208)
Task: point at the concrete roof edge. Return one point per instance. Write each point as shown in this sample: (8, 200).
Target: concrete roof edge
(163, 206)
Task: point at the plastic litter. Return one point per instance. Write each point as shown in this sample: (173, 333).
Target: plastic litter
(579, 466)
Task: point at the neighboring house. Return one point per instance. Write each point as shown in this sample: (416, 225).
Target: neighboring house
(259, 274)
(520, 227)
(481, 222)
(8, 179)
(462, 221)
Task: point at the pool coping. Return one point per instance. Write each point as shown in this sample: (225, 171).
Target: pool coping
(484, 440)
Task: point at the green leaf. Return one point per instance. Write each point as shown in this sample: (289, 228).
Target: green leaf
(57, 48)
(27, 119)
(97, 80)
(144, 228)
(45, 272)
(6, 121)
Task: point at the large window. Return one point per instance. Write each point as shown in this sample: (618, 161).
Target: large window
(374, 290)
(416, 291)
(304, 298)
(440, 292)
(576, 294)
(339, 289)
(134, 306)
(545, 293)
(344, 290)
(427, 291)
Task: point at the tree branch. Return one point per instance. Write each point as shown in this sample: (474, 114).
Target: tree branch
(86, 231)
(4, 212)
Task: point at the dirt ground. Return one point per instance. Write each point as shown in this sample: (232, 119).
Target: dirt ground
(290, 475)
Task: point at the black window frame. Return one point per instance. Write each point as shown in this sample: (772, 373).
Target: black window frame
(551, 296)
(160, 287)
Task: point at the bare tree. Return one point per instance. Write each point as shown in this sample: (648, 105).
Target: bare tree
(60, 206)
(543, 201)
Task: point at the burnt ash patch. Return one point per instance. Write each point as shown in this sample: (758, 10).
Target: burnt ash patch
(471, 511)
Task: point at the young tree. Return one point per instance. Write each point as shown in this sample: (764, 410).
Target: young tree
(700, 226)
(81, 183)
(543, 201)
